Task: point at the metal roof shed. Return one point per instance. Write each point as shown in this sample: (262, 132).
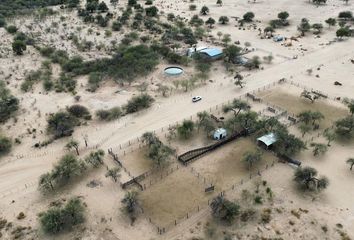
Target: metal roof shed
(212, 52)
(268, 139)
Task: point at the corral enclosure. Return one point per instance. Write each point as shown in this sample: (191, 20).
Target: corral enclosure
(289, 99)
(174, 197)
(224, 167)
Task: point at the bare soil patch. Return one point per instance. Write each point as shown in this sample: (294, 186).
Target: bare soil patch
(291, 101)
(173, 197)
(225, 167)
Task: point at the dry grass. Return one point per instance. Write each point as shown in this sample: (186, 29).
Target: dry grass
(137, 162)
(224, 167)
(173, 197)
(197, 140)
(294, 104)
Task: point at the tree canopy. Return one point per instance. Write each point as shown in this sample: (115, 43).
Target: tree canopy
(58, 219)
(9, 104)
(306, 178)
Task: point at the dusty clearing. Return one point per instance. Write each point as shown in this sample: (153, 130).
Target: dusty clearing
(173, 197)
(224, 167)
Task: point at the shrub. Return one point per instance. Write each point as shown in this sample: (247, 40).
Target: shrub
(18, 47)
(185, 130)
(58, 219)
(248, 17)
(192, 7)
(109, 115)
(61, 124)
(11, 29)
(5, 145)
(79, 111)
(138, 103)
(8, 103)
(151, 11)
(223, 209)
(65, 83)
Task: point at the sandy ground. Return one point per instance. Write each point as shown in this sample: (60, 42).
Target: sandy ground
(20, 170)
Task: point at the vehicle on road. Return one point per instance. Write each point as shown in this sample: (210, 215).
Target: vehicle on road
(196, 99)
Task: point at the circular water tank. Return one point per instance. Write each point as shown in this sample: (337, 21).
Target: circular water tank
(173, 71)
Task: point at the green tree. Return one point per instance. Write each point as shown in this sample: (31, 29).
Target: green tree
(345, 126)
(79, 111)
(283, 16)
(110, 114)
(192, 7)
(318, 27)
(343, 32)
(346, 15)
(219, 2)
(350, 162)
(151, 11)
(318, 148)
(224, 209)
(252, 157)
(223, 20)
(236, 106)
(113, 173)
(287, 144)
(331, 22)
(160, 154)
(95, 158)
(350, 105)
(61, 124)
(304, 128)
(245, 121)
(226, 39)
(304, 26)
(150, 138)
(18, 47)
(73, 144)
(210, 22)
(204, 10)
(329, 135)
(306, 178)
(5, 145)
(8, 103)
(185, 130)
(67, 168)
(131, 205)
(132, 2)
(45, 182)
(58, 219)
(11, 29)
(268, 29)
(231, 52)
(102, 7)
(51, 221)
(138, 103)
(248, 16)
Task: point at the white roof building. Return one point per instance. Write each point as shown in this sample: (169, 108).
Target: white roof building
(220, 133)
(268, 139)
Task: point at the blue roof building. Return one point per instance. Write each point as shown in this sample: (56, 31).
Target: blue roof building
(212, 53)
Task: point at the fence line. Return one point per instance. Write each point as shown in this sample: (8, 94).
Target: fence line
(204, 206)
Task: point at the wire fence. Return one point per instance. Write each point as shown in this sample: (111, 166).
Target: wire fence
(204, 206)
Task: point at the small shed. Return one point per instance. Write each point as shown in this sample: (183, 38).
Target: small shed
(267, 140)
(220, 133)
(278, 38)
